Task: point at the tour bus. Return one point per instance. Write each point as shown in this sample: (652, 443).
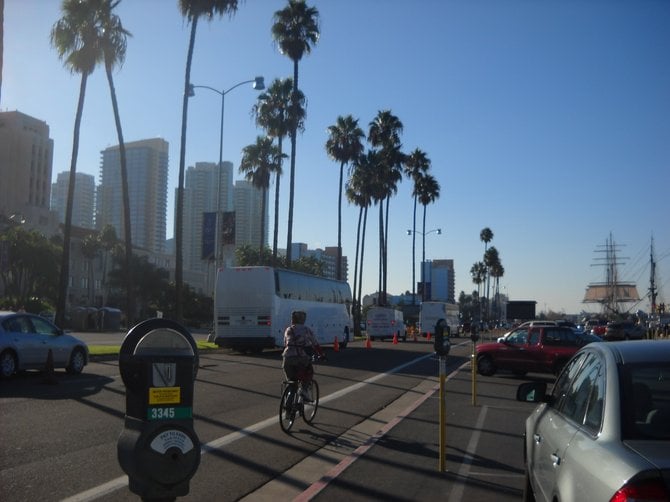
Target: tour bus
(385, 322)
(253, 307)
(431, 312)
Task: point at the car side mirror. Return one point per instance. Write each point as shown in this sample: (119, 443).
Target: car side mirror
(532, 392)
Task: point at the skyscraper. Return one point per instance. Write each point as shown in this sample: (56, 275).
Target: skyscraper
(248, 204)
(83, 206)
(147, 162)
(26, 154)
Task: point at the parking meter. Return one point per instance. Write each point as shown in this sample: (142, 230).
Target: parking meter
(158, 448)
(474, 336)
(441, 342)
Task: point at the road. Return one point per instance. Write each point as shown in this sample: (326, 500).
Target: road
(59, 441)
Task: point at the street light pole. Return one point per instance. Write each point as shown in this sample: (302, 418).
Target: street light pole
(438, 231)
(259, 85)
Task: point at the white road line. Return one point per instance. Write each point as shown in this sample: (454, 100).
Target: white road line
(120, 482)
(456, 494)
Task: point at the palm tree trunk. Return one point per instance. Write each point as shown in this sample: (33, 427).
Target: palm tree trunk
(276, 230)
(264, 203)
(130, 307)
(293, 134)
(338, 265)
(356, 315)
(386, 240)
(381, 251)
(360, 281)
(414, 253)
(67, 230)
(179, 224)
(423, 259)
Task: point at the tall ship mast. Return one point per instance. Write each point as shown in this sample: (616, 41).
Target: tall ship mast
(613, 294)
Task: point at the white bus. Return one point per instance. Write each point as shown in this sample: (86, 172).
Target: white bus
(431, 312)
(253, 307)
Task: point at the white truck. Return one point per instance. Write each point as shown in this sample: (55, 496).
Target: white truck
(385, 322)
(431, 312)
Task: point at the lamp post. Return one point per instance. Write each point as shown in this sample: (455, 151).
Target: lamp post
(259, 85)
(438, 231)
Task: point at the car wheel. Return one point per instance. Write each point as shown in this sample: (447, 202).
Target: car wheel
(77, 362)
(528, 495)
(485, 366)
(8, 364)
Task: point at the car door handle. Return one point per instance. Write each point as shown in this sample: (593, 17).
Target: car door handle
(555, 459)
(537, 438)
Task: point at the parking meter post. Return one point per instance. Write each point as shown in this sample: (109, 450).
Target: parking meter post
(443, 414)
(158, 448)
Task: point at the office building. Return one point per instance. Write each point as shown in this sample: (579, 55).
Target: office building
(248, 205)
(83, 205)
(440, 281)
(147, 167)
(26, 155)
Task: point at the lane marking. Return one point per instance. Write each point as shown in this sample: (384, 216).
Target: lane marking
(456, 494)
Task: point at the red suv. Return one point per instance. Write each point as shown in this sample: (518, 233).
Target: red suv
(539, 349)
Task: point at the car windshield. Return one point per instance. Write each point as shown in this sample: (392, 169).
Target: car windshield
(646, 401)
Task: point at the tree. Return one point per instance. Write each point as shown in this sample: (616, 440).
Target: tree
(428, 192)
(491, 259)
(486, 236)
(76, 38)
(113, 38)
(259, 161)
(90, 248)
(384, 134)
(192, 10)
(359, 190)
(478, 273)
(417, 164)
(275, 115)
(295, 31)
(343, 145)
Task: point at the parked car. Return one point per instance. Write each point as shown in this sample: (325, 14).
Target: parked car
(25, 342)
(603, 433)
(541, 349)
(624, 330)
(595, 326)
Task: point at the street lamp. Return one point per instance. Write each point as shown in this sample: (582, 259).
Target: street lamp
(438, 231)
(259, 85)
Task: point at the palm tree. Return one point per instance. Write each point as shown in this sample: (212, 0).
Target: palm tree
(192, 10)
(417, 164)
(114, 41)
(258, 162)
(478, 274)
(343, 145)
(428, 192)
(491, 258)
(359, 189)
(76, 39)
(486, 236)
(384, 134)
(274, 114)
(497, 271)
(90, 249)
(295, 31)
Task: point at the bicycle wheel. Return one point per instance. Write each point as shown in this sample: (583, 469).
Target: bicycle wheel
(287, 409)
(310, 405)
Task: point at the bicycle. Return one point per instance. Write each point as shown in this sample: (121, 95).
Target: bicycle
(299, 396)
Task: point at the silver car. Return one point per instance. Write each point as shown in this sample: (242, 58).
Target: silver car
(603, 433)
(27, 339)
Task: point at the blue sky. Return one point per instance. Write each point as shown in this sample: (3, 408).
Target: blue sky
(547, 121)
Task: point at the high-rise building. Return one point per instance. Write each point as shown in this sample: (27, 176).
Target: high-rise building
(147, 166)
(247, 204)
(26, 155)
(440, 280)
(83, 204)
(201, 188)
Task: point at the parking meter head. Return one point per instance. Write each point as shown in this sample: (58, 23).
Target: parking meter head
(441, 342)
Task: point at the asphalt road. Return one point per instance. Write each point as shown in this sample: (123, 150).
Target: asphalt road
(375, 435)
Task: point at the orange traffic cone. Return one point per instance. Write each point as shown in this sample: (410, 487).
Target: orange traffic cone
(428, 336)
(49, 375)
(368, 343)
(336, 345)
(395, 338)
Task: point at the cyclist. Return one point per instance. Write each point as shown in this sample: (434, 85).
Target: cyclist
(299, 346)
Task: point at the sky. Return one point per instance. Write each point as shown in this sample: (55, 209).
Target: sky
(547, 121)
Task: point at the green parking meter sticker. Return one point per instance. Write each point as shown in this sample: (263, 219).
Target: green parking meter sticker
(169, 413)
